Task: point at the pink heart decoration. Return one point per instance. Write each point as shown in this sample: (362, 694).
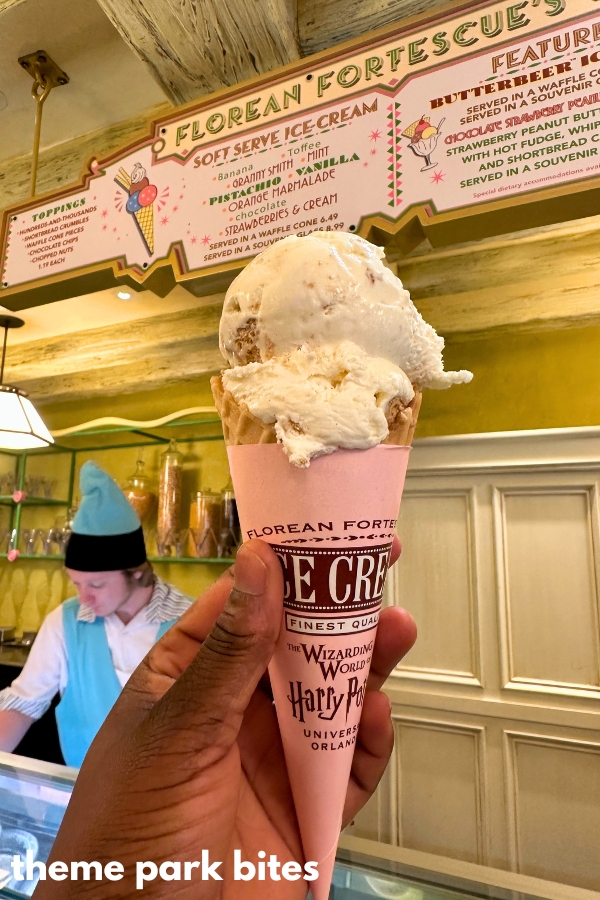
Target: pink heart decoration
(19, 496)
(12, 555)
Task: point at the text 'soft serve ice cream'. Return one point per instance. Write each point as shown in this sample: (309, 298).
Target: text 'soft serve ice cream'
(326, 345)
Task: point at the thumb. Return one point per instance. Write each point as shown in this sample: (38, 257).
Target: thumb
(203, 710)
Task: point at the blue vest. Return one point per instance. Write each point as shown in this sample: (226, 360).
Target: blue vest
(92, 683)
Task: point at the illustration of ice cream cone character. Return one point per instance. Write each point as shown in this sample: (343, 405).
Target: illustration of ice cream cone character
(140, 201)
(423, 138)
(328, 359)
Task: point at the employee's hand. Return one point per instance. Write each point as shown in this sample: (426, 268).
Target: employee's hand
(190, 757)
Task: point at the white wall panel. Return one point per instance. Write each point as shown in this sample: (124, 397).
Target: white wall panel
(550, 591)
(436, 583)
(554, 801)
(440, 782)
(497, 708)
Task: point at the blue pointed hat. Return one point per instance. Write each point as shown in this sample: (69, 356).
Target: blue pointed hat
(107, 534)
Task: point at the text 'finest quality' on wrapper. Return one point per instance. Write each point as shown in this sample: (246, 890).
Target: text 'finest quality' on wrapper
(328, 357)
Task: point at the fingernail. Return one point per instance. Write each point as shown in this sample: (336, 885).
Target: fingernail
(250, 572)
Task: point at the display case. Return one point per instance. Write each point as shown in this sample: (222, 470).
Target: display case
(33, 799)
(369, 870)
(34, 796)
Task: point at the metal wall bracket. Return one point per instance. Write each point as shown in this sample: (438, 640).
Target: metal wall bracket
(46, 76)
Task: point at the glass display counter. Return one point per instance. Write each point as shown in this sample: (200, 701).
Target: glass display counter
(33, 799)
(34, 796)
(368, 870)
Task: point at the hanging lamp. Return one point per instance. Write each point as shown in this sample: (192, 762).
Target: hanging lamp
(21, 426)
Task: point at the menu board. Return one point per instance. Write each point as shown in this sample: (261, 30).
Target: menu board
(481, 119)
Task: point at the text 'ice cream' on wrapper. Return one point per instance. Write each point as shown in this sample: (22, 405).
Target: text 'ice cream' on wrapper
(328, 359)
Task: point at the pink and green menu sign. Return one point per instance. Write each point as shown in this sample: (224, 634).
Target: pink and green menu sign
(481, 119)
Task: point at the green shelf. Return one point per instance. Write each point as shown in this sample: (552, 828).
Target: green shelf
(223, 561)
(35, 556)
(110, 437)
(7, 500)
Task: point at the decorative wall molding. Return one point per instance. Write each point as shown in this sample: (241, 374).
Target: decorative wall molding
(441, 676)
(511, 742)
(479, 784)
(536, 541)
(557, 449)
(511, 679)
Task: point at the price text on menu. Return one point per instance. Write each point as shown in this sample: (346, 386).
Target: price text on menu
(482, 107)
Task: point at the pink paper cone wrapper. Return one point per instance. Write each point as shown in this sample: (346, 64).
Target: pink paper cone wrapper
(332, 526)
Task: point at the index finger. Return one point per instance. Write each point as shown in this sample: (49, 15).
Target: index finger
(396, 634)
(396, 549)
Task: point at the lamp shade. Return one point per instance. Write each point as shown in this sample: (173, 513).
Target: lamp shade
(21, 426)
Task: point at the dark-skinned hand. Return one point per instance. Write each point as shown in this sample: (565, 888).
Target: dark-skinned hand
(190, 757)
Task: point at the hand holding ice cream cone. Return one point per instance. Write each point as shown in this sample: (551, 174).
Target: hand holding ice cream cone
(197, 764)
(329, 357)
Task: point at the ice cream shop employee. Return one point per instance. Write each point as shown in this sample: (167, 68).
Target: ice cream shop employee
(88, 647)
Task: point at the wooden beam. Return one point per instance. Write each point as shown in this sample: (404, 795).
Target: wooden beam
(323, 23)
(195, 47)
(137, 355)
(545, 278)
(5, 5)
(63, 163)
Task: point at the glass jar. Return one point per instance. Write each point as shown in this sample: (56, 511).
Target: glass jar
(230, 534)
(71, 513)
(138, 491)
(205, 523)
(169, 497)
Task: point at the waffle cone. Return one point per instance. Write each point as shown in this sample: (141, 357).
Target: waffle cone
(145, 222)
(241, 427)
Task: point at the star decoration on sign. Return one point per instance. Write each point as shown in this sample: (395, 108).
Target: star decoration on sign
(206, 239)
(439, 176)
(193, 239)
(164, 220)
(175, 208)
(375, 135)
(373, 152)
(104, 213)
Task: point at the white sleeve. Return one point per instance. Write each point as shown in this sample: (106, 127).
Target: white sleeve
(44, 674)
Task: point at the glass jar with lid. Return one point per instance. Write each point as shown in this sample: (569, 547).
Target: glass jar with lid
(230, 533)
(138, 490)
(169, 498)
(205, 523)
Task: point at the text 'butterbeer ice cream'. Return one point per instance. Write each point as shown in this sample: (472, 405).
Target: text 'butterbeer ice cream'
(326, 345)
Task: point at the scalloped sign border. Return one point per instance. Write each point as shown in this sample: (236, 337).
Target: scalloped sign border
(479, 119)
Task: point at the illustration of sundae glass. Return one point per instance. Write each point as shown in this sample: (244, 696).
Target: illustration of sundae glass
(142, 195)
(423, 139)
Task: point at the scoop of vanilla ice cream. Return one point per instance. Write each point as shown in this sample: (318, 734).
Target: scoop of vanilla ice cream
(323, 289)
(335, 395)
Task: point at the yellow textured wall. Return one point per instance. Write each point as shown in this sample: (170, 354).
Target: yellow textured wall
(523, 380)
(544, 379)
